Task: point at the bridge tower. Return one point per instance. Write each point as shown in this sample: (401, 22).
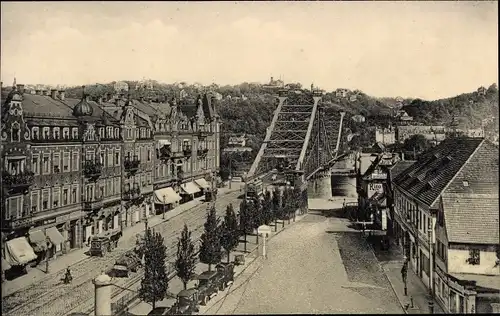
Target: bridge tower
(306, 134)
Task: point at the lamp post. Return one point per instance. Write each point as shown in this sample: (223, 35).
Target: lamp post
(47, 254)
(163, 216)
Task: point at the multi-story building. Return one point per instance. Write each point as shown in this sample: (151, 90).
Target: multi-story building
(75, 168)
(386, 136)
(446, 211)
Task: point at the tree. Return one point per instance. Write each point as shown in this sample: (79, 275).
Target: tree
(185, 264)
(245, 226)
(267, 207)
(417, 143)
(210, 249)
(230, 235)
(154, 284)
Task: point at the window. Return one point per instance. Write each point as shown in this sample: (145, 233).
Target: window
(150, 177)
(56, 162)
(56, 196)
(34, 133)
(466, 183)
(45, 200)
(45, 134)
(117, 133)
(101, 191)
(149, 154)
(74, 194)
(35, 202)
(110, 186)
(14, 207)
(117, 185)
(117, 157)
(101, 132)
(65, 196)
(143, 180)
(474, 257)
(56, 133)
(75, 161)
(65, 161)
(66, 133)
(35, 164)
(46, 163)
(74, 133)
(101, 157)
(110, 157)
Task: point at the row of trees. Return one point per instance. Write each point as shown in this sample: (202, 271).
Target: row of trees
(218, 236)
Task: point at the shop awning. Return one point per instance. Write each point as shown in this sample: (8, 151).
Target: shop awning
(5, 265)
(19, 252)
(202, 183)
(170, 196)
(38, 240)
(190, 188)
(55, 236)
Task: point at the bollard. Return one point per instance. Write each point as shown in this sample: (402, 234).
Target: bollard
(411, 302)
(102, 300)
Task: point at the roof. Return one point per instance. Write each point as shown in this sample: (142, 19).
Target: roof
(399, 167)
(187, 293)
(189, 110)
(484, 281)
(98, 113)
(45, 106)
(472, 218)
(426, 179)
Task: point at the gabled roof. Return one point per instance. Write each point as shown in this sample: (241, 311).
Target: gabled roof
(426, 179)
(472, 218)
(41, 106)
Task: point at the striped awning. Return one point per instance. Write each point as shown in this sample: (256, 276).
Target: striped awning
(19, 252)
(55, 236)
(190, 188)
(202, 183)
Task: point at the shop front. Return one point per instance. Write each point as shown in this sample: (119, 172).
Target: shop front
(39, 243)
(189, 191)
(165, 199)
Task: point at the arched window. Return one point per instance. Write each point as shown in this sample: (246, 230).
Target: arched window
(46, 133)
(35, 132)
(117, 132)
(56, 133)
(74, 133)
(15, 132)
(66, 133)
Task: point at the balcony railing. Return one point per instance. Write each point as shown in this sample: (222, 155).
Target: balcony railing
(92, 168)
(187, 150)
(19, 181)
(132, 194)
(93, 205)
(131, 164)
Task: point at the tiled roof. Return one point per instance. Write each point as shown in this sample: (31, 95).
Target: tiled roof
(189, 110)
(430, 174)
(40, 106)
(97, 114)
(400, 166)
(472, 218)
(485, 281)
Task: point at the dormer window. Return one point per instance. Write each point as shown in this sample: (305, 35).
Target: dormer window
(74, 133)
(117, 132)
(34, 132)
(56, 133)
(66, 133)
(101, 132)
(46, 133)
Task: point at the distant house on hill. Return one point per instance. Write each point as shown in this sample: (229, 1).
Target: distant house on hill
(358, 118)
(274, 84)
(341, 93)
(481, 91)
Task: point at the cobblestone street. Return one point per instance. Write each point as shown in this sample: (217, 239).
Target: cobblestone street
(50, 297)
(318, 265)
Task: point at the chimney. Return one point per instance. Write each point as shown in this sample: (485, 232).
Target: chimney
(20, 88)
(53, 93)
(61, 95)
(45, 92)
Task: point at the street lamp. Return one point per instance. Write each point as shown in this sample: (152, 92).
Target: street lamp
(47, 254)
(164, 197)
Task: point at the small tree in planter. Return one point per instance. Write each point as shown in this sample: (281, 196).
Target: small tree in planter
(154, 284)
(230, 234)
(210, 249)
(185, 264)
(245, 225)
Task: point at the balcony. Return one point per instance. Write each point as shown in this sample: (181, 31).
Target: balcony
(95, 204)
(133, 194)
(18, 182)
(187, 150)
(202, 152)
(165, 153)
(131, 165)
(92, 168)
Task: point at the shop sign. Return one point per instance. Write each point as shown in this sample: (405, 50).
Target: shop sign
(48, 221)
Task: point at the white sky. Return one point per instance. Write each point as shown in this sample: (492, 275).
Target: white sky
(408, 49)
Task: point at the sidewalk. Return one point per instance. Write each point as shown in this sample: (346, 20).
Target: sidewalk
(175, 285)
(391, 261)
(58, 266)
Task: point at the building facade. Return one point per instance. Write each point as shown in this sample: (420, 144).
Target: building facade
(386, 136)
(77, 168)
(437, 201)
(432, 133)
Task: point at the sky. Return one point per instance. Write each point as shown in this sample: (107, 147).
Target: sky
(428, 50)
